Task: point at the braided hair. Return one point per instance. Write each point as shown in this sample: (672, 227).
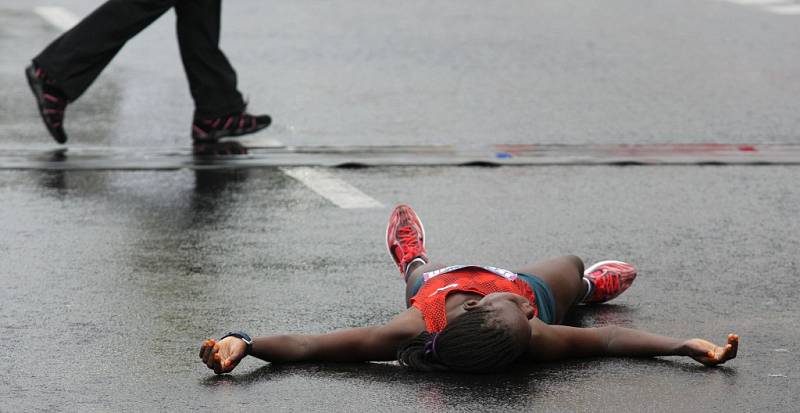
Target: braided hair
(474, 342)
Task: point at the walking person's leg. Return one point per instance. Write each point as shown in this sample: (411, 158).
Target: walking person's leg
(212, 79)
(219, 106)
(75, 59)
(68, 66)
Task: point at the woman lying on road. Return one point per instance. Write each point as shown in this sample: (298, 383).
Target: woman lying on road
(475, 318)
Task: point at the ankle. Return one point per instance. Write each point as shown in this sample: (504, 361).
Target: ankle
(413, 265)
(589, 289)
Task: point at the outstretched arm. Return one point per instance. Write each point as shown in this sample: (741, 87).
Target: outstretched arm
(374, 343)
(562, 342)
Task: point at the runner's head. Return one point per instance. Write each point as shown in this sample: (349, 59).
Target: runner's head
(488, 335)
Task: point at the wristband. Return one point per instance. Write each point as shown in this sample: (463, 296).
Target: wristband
(244, 336)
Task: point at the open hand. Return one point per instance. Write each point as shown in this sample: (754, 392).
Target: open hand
(709, 353)
(223, 356)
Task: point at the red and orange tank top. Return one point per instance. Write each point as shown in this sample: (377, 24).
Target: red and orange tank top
(430, 299)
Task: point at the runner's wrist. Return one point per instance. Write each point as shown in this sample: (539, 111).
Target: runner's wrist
(246, 338)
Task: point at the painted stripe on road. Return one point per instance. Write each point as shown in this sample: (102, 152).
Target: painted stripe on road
(59, 17)
(332, 188)
(759, 2)
(787, 10)
(783, 7)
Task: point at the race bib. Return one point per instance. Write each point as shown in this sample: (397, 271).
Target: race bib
(498, 271)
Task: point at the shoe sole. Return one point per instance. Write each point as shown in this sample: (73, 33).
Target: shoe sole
(598, 264)
(388, 226)
(228, 135)
(38, 93)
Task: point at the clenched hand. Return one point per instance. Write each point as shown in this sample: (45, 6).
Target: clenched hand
(223, 356)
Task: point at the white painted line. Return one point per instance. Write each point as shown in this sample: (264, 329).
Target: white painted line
(59, 17)
(759, 2)
(787, 10)
(332, 188)
(260, 142)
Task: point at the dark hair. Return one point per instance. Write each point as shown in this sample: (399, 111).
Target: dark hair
(473, 342)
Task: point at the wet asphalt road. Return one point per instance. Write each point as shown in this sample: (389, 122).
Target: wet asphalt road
(375, 72)
(112, 279)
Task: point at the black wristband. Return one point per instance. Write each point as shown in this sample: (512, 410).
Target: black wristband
(244, 336)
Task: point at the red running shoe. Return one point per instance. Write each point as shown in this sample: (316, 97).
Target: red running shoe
(609, 279)
(405, 237)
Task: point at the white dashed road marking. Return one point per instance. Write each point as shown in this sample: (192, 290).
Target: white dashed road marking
(332, 188)
(783, 7)
(758, 2)
(59, 17)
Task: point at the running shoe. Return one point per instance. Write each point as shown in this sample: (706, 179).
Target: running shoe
(236, 124)
(405, 237)
(609, 279)
(50, 100)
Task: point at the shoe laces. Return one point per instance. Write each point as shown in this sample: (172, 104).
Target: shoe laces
(409, 241)
(243, 120)
(53, 109)
(607, 281)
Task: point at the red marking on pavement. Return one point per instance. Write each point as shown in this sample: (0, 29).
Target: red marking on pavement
(496, 154)
(629, 149)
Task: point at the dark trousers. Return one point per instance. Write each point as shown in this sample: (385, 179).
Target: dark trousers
(76, 58)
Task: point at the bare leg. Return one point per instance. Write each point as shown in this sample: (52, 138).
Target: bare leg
(564, 276)
(415, 273)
